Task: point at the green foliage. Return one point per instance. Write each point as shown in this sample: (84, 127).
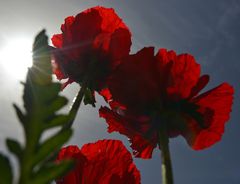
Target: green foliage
(50, 171)
(6, 171)
(14, 147)
(41, 104)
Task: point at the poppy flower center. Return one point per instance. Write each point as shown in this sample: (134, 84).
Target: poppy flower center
(173, 116)
(92, 67)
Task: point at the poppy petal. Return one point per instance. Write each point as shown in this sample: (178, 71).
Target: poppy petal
(57, 40)
(127, 87)
(105, 161)
(96, 34)
(215, 107)
(106, 94)
(184, 75)
(202, 82)
(142, 146)
(74, 176)
(113, 160)
(120, 44)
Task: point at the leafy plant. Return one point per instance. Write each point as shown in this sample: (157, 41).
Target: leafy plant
(41, 104)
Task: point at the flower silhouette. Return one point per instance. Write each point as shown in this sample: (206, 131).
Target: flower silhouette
(106, 161)
(91, 45)
(150, 92)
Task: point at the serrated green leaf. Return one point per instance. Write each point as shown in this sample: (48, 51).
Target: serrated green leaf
(42, 96)
(52, 92)
(51, 172)
(42, 69)
(5, 170)
(52, 144)
(41, 101)
(57, 104)
(14, 147)
(58, 120)
(20, 115)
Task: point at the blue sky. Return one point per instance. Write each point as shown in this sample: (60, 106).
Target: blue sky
(207, 29)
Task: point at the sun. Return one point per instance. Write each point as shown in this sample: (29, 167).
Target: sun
(16, 57)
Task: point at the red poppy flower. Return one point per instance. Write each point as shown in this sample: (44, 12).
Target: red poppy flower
(103, 162)
(91, 44)
(150, 91)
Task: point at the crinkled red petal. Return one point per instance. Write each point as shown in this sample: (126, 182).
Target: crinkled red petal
(110, 20)
(215, 107)
(74, 176)
(106, 161)
(135, 131)
(86, 27)
(91, 35)
(133, 83)
(112, 160)
(67, 24)
(119, 45)
(67, 31)
(202, 82)
(182, 75)
(106, 94)
(57, 40)
(57, 70)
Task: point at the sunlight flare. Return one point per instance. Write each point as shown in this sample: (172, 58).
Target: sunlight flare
(16, 57)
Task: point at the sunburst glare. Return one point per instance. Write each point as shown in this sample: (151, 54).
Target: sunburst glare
(16, 57)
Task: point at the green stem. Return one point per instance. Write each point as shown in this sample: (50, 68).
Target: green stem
(167, 175)
(76, 104)
(32, 138)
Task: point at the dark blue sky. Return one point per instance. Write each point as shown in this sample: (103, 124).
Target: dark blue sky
(207, 29)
